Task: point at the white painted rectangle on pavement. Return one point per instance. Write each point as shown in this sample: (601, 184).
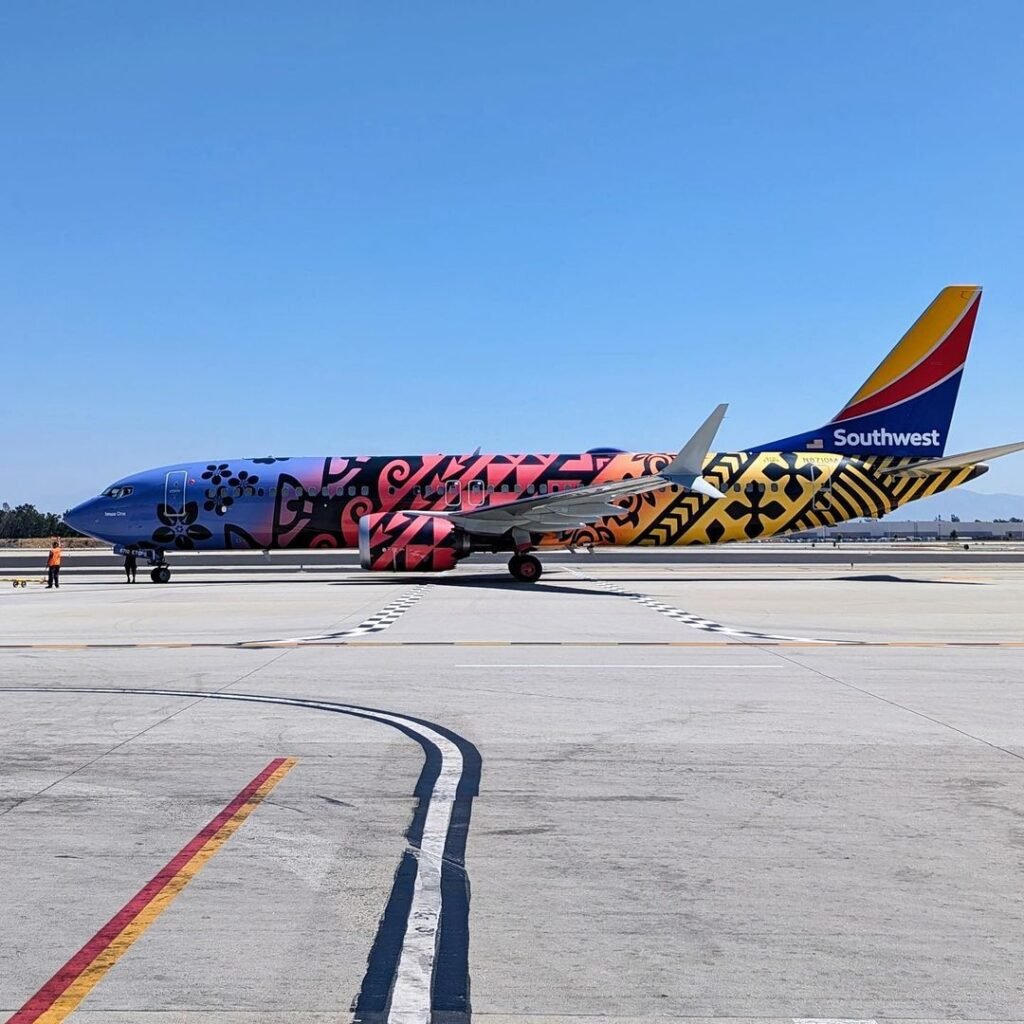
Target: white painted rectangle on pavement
(606, 666)
(834, 1020)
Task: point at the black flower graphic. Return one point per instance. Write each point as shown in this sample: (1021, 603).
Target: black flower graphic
(244, 479)
(756, 510)
(794, 475)
(269, 460)
(179, 528)
(220, 504)
(216, 474)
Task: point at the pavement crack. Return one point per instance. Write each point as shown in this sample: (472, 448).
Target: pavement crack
(142, 732)
(896, 704)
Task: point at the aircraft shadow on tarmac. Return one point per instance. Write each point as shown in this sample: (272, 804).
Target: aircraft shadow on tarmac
(497, 582)
(903, 579)
(500, 581)
(787, 581)
(493, 583)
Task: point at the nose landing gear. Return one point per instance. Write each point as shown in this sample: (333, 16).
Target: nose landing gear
(161, 574)
(525, 568)
(161, 571)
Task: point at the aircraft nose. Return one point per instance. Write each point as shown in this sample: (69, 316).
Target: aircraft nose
(82, 516)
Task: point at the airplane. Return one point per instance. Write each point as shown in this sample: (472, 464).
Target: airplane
(425, 513)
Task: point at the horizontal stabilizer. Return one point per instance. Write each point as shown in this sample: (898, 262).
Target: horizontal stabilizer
(963, 461)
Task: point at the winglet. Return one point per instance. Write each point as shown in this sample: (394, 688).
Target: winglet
(685, 469)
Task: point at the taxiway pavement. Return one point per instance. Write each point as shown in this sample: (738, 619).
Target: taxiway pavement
(631, 792)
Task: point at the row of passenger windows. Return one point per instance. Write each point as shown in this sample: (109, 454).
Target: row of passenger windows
(351, 491)
(286, 491)
(289, 491)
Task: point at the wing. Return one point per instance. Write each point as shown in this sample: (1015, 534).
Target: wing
(565, 510)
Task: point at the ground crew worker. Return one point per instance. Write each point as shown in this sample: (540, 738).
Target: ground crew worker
(130, 565)
(53, 566)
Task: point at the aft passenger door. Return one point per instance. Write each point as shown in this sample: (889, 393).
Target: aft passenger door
(174, 493)
(452, 494)
(821, 500)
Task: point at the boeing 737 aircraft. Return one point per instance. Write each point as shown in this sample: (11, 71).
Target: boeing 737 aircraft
(424, 513)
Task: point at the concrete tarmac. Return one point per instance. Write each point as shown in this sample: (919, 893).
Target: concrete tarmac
(634, 791)
(91, 561)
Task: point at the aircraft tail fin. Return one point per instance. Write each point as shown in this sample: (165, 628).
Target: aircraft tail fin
(905, 407)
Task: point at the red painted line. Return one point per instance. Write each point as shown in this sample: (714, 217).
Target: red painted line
(70, 972)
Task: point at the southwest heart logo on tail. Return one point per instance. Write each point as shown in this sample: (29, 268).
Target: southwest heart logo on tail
(905, 407)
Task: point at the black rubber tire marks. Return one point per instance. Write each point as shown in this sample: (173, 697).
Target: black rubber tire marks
(449, 993)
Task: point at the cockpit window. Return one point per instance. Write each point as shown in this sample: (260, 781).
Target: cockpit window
(117, 492)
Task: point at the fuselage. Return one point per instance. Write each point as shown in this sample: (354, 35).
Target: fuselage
(281, 503)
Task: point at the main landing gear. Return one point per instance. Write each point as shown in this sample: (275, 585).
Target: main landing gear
(525, 568)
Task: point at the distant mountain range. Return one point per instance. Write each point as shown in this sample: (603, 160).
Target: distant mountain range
(968, 505)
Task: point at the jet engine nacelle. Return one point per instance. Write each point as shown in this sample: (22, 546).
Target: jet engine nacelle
(410, 542)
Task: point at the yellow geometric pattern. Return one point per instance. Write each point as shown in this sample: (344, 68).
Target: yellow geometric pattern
(767, 494)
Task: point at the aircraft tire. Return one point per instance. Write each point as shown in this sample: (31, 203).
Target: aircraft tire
(161, 574)
(525, 568)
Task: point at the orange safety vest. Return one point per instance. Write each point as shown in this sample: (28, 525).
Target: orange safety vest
(54, 559)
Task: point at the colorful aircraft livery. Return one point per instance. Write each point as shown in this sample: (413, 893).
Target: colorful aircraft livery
(424, 513)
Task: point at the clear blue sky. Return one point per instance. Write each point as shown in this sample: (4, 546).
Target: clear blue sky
(244, 229)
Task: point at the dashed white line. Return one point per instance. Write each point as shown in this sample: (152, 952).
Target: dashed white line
(376, 623)
(698, 621)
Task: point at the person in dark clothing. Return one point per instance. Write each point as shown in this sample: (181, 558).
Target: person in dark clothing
(129, 567)
(53, 566)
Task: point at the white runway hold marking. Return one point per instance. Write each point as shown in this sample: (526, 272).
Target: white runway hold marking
(706, 625)
(376, 623)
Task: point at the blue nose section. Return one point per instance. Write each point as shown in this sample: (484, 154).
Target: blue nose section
(84, 518)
